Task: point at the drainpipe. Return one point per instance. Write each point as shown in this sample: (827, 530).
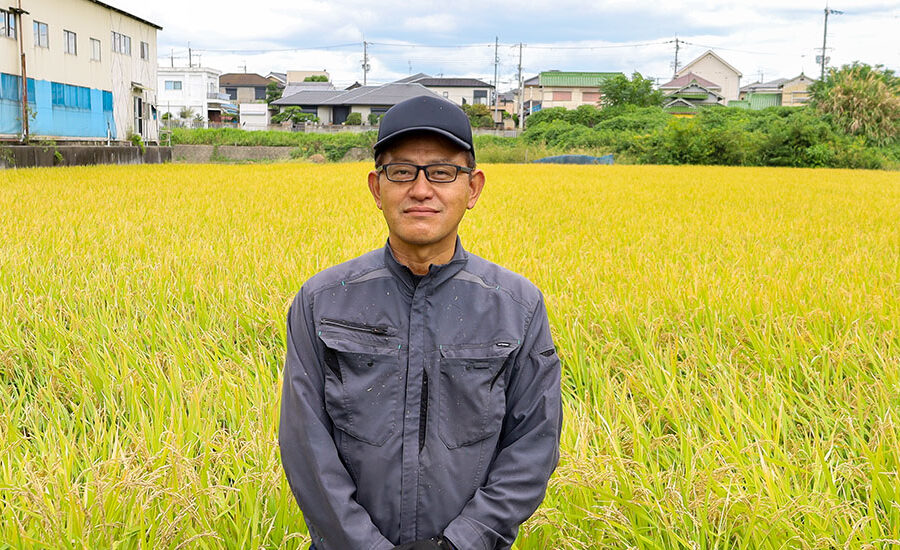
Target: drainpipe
(19, 12)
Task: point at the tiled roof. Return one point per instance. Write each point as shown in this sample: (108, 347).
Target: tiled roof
(533, 81)
(686, 79)
(123, 12)
(242, 79)
(413, 78)
(386, 94)
(574, 79)
(453, 82)
(296, 87)
(773, 85)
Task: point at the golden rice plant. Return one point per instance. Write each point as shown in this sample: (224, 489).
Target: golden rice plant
(730, 341)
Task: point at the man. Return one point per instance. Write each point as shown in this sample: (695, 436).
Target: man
(421, 399)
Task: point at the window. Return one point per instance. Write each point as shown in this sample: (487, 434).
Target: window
(173, 84)
(562, 96)
(590, 97)
(41, 35)
(95, 49)
(232, 93)
(260, 92)
(70, 42)
(479, 97)
(145, 50)
(7, 24)
(9, 87)
(121, 43)
(66, 95)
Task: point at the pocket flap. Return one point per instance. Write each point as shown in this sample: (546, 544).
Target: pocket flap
(341, 342)
(494, 350)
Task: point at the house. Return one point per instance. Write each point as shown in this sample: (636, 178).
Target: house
(333, 106)
(195, 89)
(90, 72)
(278, 78)
(689, 97)
(790, 92)
(461, 91)
(567, 89)
(680, 82)
(715, 69)
(244, 87)
(301, 76)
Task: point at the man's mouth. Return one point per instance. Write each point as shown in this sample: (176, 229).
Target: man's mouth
(420, 211)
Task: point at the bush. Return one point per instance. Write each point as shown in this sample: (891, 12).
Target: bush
(375, 118)
(353, 119)
(333, 146)
(295, 115)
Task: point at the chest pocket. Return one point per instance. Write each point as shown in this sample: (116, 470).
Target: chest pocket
(472, 399)
(362, 384)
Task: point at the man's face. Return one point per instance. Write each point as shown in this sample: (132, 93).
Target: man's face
(421, 214)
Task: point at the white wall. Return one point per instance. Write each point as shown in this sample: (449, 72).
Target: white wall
(713, 70)
(457, 93)
(254, 116)
(196, 83)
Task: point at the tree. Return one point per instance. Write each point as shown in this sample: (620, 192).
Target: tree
(479, 115)
(861, 100)
(273, 92)
(618, 90)
(186, 113)
(316, 78)
(353, 119)
(295, 115)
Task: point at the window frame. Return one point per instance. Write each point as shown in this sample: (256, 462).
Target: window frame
(96, 53)
(173, 88)
(8, 24)
(39, 36)
(145, 50)
(74, 44)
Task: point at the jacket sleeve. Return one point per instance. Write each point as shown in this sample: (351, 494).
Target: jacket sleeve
(528, 450)
(318, 479)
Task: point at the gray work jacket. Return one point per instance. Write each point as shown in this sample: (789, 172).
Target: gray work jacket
(414, 410)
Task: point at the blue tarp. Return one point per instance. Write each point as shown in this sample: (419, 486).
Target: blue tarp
(576, 159)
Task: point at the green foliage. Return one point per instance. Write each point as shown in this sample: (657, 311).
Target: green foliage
(861, 100)
(186, 113)
(353, 119)
(375, 118)
(638, 91)
(135, 140)
(273, 92)
(333, 146)
(294, 114)
(316, 78)
(479, 115)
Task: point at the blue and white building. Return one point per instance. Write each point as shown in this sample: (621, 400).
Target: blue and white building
(90, 72)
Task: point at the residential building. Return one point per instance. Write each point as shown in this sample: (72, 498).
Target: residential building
(279, 78)
(462, 91)
(90, 72)
(567, 89)
(680, 82)
(254, 116)
(195, 89)
(333, 106)
(715, 69)
(244, 87)
(689, 97)
(301, 76)
(789, 92)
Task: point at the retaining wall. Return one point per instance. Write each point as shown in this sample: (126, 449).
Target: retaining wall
(209, 153)
(25, 156)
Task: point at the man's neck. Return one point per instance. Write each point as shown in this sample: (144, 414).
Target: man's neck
(418, 260)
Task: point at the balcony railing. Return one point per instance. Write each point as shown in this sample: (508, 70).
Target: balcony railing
(217, 95)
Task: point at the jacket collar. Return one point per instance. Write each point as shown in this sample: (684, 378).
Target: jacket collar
(436, 275)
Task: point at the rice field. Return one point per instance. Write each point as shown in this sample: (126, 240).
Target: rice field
(730, 342)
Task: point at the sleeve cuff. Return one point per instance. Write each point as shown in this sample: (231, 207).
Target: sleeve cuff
(463, 534)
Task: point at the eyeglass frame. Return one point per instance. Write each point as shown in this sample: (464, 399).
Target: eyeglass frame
(423, 168)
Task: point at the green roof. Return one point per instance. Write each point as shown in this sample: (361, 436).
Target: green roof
(562, 78)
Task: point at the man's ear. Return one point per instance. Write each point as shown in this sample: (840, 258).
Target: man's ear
(375, 187)
(476, 184)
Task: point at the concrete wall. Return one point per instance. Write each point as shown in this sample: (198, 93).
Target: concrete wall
(457, 94)
(25, 156)
(208, 153)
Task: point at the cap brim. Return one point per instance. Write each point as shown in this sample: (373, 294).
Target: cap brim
(381, 142)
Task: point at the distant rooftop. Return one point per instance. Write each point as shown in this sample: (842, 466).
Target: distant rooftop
(386, 94)
(243, 79)
(574, 79)
(686, 79)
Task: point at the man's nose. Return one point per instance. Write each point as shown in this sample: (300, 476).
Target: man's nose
(421, 187)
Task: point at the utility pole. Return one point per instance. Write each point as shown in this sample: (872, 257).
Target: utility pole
(190, 56)
(520, 106)
(172, 57)
(675, 65)
(20, 38)
(825, 38)
(496, 65)
(365, 62)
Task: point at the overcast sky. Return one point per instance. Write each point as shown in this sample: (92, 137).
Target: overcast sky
(768, 38)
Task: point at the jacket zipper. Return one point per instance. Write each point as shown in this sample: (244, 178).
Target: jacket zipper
(423, 411)
(361, 327)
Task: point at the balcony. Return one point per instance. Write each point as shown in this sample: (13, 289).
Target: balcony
(216, 96)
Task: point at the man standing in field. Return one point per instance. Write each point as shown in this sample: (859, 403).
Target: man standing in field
(421, 399)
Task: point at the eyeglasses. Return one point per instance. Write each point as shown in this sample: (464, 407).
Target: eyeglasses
(402, 172)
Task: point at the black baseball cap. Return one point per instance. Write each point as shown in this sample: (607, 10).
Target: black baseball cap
(425, 113)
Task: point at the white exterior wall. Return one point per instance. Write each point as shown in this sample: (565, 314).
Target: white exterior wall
(363, 110)
(713, 70)
(456, 94)
(196, 84)
(114, 72)
(254, 116)
(324, 114)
